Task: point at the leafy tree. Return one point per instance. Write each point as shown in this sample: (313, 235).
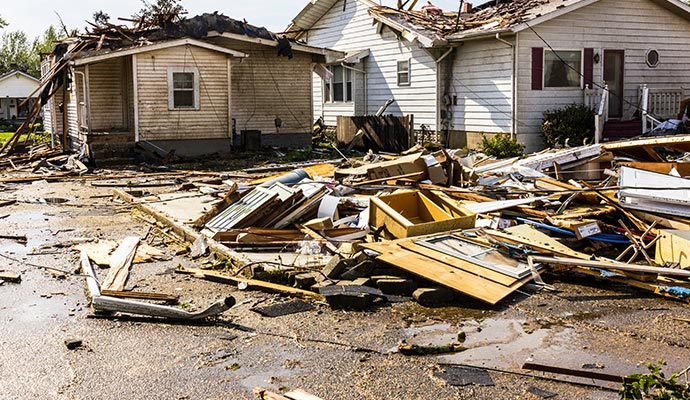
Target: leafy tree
(160, 13)
(16, 50)
(3, 23)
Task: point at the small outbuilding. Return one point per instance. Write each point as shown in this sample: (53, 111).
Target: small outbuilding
(15, 87)
(201, 85)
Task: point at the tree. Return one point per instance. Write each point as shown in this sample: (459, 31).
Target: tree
(160, 13)
(17, 52)
(3, 23)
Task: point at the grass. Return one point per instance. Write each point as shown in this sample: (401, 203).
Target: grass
(40, 137)
(5, 136)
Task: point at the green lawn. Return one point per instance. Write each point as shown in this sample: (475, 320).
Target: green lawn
(4, 136)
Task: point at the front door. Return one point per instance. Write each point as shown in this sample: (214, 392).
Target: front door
(614, 62)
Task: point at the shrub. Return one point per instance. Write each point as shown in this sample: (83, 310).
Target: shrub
(654, 386)
(574, 123)
(501, 145)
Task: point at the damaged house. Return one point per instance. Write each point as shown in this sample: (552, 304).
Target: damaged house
(497, 67)
(199, 85)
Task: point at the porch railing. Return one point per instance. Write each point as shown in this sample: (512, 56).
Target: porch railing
(658, 104)
(598, 101)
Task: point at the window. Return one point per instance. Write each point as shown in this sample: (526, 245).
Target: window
(183, 88)
(562, 68)
(404, 73)
(339, 88)
(652, 58)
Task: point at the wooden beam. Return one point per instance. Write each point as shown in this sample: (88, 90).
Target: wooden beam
(579, 373)
(185, 232)
(251, 283)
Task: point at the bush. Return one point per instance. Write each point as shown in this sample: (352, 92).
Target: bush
(574, 123)
(501, 145)
(654, 386)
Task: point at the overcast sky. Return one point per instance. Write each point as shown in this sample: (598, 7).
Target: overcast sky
(34, 16)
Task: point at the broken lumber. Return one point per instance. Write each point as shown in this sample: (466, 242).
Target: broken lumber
(111, 304)
(120, 261)
(10, 277)
(141, 296)
(251, 283)
(185, 232)
(579, 373)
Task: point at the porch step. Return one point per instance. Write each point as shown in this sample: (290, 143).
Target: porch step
(617, 130)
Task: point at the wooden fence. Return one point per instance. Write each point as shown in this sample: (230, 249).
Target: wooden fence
(386, 133)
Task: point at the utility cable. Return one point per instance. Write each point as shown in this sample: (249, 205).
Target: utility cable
(621, 96)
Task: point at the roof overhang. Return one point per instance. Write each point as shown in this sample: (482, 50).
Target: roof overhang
(313, 12)
(409, 34)
(328, 53)
(157, 46)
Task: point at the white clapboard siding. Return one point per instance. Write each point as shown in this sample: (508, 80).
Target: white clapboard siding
(156, 122)
(17, 85)
(106, 96)
(482, 85)
(636, 27)
(266, 86)
(352, 29)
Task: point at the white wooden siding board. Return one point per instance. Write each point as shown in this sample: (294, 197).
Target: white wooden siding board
(266, 87)
(605, 25)
(106, 97)
(353, 30)
(156, 122)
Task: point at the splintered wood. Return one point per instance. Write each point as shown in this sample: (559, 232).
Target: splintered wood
(120, 261)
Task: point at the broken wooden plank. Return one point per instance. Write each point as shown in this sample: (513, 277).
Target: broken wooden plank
(112, 304)
(612, 265)
(186, 233)
(142, 296)
(230, 197)
(120, 261)
(299, 394)
(10, 277)
(314, 235)
(579, 373)
(251, 283)
(455, 278)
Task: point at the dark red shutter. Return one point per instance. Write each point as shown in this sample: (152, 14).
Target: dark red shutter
(589, 67)
(537, 67)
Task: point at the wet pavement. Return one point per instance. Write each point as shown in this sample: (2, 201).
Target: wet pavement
(333, 354)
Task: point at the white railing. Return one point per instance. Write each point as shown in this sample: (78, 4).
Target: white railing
(649, 123)
(658, 104)
(601, 115)
(592, 97)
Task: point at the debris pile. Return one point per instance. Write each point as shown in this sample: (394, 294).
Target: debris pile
(434, 226)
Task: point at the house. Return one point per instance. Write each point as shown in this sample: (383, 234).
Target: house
(198, 86)
(498, 67)
(15, 87)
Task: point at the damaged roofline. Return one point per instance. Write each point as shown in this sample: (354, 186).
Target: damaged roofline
(295, 46)
(479, 35)
(407, 33)
(158, 46)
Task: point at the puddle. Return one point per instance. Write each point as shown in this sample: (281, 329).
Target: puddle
(52, 200)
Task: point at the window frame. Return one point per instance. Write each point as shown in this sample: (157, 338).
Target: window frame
(408, 72)
(580, 73)
(658, 58)
(195, 89)
(346, 84)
